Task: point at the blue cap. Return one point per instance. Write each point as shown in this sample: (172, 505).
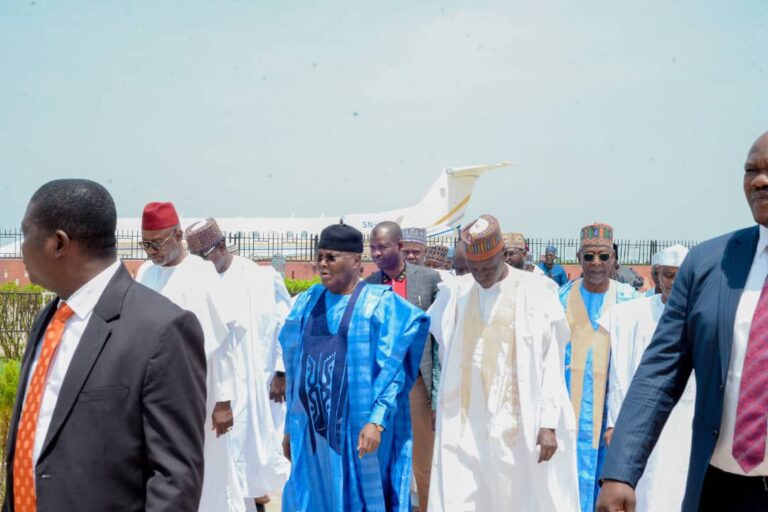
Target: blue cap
(551, 249)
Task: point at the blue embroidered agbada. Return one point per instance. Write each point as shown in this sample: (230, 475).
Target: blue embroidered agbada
(350, 360)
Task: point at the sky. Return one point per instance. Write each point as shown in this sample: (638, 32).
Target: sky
(635, 114)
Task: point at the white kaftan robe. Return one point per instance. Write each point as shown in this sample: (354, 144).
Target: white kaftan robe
(194, 285)
(260, 304)
(631, 326)
(501, 351)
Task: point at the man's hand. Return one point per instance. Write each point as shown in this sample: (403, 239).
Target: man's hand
(616, 496)
(368, 440)
(222, 418)
(287, 447)
(547, 442)
(277, 388)
(608, 436)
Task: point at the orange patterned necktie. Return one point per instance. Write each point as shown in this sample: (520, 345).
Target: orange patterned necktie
(24, 499)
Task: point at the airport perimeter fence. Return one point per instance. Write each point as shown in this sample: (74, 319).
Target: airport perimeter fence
(302, 247)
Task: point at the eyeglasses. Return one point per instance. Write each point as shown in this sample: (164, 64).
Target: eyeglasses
(208, 252)
(590, 256)
(151, 244)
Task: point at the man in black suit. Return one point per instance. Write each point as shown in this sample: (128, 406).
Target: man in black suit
(110, 407)
(418, 285)
(715, 324)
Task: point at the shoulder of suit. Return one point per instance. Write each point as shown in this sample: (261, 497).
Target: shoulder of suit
(708, 255)
(718, 244)
(424, 272)
(374, 278)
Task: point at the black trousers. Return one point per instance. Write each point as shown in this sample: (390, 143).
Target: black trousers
(726, 492)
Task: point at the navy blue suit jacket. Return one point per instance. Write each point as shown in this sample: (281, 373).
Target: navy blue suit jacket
(694, 333)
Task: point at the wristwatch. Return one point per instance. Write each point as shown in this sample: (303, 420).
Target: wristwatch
(380, 428)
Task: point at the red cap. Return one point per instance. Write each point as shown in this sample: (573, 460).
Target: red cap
(159, 216)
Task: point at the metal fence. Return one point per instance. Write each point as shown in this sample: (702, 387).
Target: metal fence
(301, 247)
(631, 252)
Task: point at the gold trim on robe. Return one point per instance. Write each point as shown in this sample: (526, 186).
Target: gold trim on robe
(490, 349)
(583, 338)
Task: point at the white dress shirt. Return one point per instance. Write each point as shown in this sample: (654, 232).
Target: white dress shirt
(722, 458)
(82, 303)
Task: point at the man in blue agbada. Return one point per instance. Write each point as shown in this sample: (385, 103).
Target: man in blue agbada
(587, 354)
(352, 352)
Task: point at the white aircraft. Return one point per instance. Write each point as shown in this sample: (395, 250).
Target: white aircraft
(441, 212)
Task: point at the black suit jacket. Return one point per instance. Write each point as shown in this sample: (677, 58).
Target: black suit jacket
(127, 430)
(694, 333)
(421, 291)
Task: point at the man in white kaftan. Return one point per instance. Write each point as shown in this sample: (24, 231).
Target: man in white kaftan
(193, 284)
(631, 326)
(505, 429)
(259, 303)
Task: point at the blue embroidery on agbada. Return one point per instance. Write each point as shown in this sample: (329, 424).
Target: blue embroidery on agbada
(384, 346)
(323, 386)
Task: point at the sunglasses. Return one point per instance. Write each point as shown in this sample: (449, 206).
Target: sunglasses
(590, 256)
(147, 244)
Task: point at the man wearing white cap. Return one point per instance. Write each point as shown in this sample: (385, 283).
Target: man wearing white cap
(631, 326)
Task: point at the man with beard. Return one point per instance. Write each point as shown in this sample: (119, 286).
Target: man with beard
(193, 284)
(587, 354)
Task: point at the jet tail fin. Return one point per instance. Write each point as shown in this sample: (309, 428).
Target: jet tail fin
(443, 207)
